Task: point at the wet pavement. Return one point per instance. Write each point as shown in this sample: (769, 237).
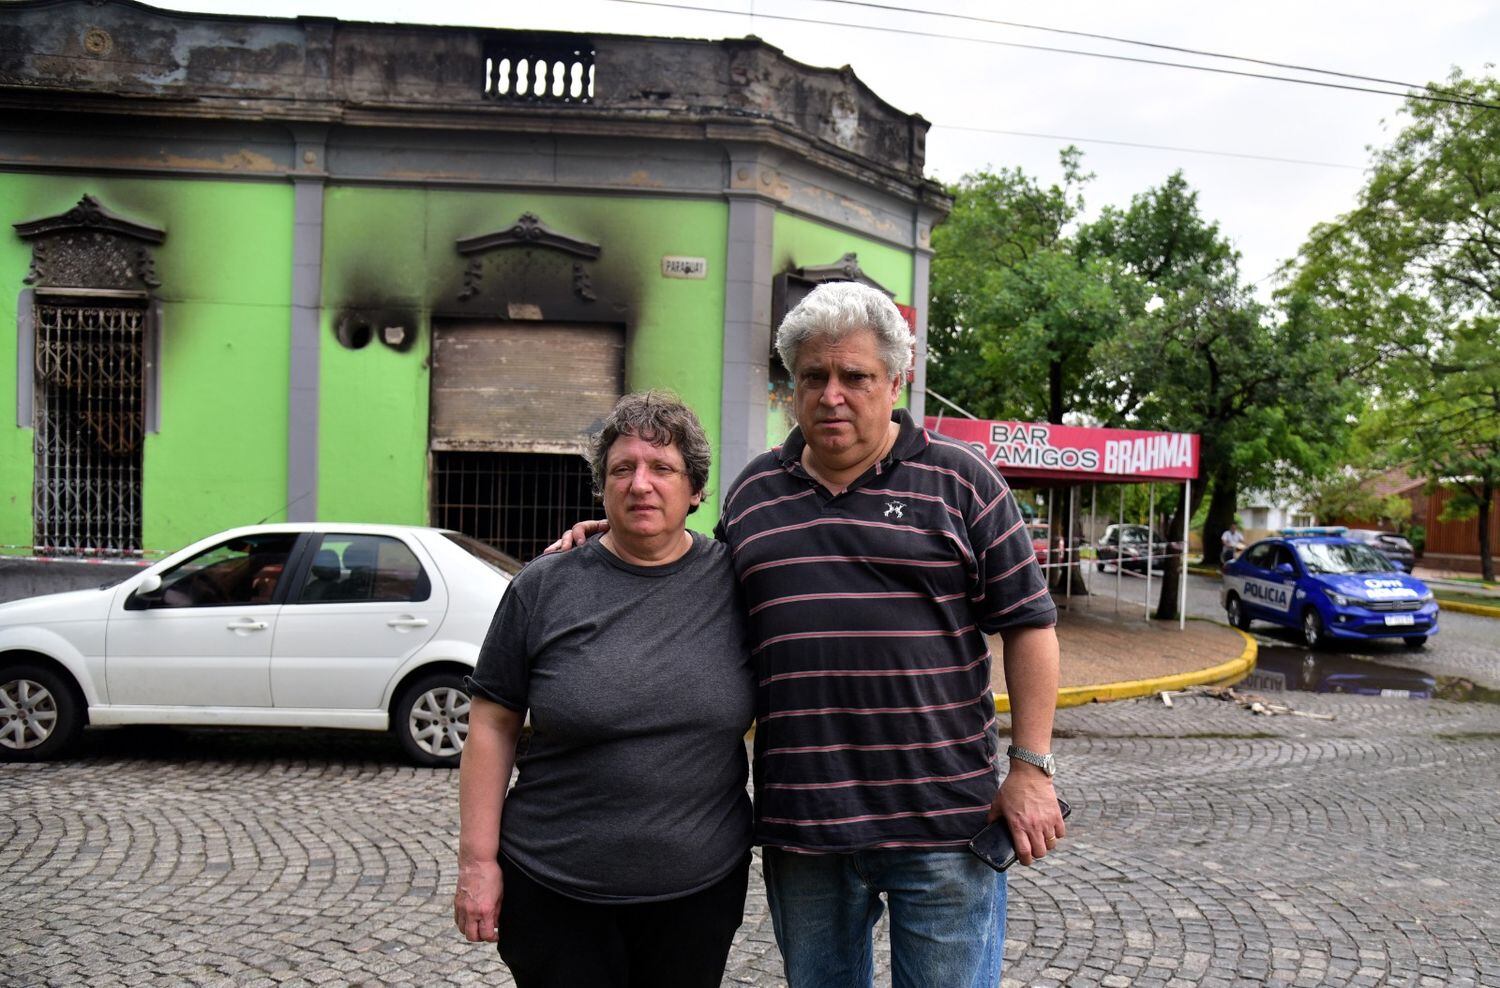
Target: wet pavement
(1208, 846)
(1467, 646)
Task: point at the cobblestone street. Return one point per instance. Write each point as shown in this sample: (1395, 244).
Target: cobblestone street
(1208, 847)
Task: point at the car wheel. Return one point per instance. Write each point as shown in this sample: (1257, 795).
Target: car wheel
(431, 720)
(1415, 641)
(1236, 612)
(39, 714)
(1099, 566)
(1312, 628)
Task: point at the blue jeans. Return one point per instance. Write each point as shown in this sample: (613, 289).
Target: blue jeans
(947, 917)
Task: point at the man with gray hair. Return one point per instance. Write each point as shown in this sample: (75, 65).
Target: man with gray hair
(874, 557)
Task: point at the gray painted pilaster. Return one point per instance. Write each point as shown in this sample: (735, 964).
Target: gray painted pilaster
(921, 272)
(747, 320)
(307, 300)
(26, 358)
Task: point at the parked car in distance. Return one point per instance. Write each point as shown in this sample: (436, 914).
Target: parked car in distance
(1394, 547)
(1327, 587)
(367, 627)
(1040, 538)
(1131, 545)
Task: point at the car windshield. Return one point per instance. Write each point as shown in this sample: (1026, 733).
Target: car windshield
(490, 556)
(1341, 557)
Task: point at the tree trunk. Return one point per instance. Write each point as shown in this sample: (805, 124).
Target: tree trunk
(1055, 392)
(1221, 510)
(1065, 522)
(1174, 572)
(1486, 554)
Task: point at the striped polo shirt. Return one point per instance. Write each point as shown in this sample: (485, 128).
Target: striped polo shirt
(875, 721)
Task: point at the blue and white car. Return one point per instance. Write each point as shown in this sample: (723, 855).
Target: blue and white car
(1328, 587)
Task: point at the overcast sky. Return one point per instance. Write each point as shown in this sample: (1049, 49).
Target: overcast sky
(1264, 207)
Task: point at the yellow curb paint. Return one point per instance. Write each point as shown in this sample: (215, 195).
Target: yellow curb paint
(1463, 608)
(1220, 675)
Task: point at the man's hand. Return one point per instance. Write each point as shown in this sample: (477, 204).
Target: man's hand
(577, 535)
(1028, 804)
(476, 904)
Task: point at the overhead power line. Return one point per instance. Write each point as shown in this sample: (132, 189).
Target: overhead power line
(910, 32)
(1149, 147)
(970, 18)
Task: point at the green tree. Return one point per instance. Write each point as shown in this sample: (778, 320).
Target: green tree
(1264, 391)
(1411, 280)
(1015, 311)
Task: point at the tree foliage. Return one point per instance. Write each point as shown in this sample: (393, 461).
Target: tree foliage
(1410, 279)
(1136, 319)
(1015, 311)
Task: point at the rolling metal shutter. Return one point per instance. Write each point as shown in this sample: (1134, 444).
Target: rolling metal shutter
(523, 386)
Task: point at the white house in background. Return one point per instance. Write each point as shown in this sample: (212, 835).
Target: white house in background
(1263, 513)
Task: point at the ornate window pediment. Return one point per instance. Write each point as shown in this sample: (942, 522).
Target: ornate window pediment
(528, 232)
(90, 248)
(845, 268)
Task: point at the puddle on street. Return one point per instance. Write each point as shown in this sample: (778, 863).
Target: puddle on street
(1279, 667)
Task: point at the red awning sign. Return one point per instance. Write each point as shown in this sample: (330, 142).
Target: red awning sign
(1044, 451)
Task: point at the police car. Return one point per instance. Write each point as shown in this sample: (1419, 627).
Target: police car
(1327, 586)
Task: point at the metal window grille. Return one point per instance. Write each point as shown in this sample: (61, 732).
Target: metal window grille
(517, 502)
(88, 427)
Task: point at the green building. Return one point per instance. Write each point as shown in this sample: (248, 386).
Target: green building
(312, 269)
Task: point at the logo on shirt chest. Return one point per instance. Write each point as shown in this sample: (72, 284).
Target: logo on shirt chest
(894, 509)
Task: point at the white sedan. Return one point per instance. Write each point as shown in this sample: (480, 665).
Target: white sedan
(369, 627)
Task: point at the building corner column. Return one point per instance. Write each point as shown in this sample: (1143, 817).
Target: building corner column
(747, 315)
(921, 273)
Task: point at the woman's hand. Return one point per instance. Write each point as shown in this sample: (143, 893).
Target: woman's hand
(476, 904)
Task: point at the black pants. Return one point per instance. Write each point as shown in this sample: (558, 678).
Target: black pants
(549, 940)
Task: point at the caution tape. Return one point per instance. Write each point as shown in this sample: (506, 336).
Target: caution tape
(54, 554)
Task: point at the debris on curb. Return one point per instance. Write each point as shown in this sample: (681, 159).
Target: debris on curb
(1253, 702)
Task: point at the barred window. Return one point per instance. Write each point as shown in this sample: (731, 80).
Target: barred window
(516, 502)
(89, 423)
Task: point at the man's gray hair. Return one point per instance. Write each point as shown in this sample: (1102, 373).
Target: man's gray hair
(661, 419)
(835, 309)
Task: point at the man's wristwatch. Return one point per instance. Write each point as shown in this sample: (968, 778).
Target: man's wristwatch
(1045, 762)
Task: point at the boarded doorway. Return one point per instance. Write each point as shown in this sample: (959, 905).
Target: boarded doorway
(513, 404)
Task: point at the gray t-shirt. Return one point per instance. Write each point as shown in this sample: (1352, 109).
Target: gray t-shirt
(640, 688)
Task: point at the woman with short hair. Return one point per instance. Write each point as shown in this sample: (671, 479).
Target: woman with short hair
(621, 855)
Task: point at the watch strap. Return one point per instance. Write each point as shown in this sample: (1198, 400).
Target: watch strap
(1044, 762)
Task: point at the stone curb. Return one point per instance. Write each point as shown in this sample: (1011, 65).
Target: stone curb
(1220, 675)
(1463, 608)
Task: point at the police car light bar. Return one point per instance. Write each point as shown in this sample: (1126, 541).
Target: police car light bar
(1315, 530)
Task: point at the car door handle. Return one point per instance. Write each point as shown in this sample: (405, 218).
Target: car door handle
(407, 622)
(246, 624)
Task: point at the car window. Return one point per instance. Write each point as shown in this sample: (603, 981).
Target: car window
(354, 568)
(1261, 555)
(1283, 555)
(1342, 557)
(487, 554)
(243, 570)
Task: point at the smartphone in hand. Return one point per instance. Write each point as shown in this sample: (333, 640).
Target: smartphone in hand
(993, 844)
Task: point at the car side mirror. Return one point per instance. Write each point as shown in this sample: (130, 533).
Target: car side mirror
(146, 593)
(1284, 568)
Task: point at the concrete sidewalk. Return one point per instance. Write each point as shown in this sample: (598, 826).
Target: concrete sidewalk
(1110, 656)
